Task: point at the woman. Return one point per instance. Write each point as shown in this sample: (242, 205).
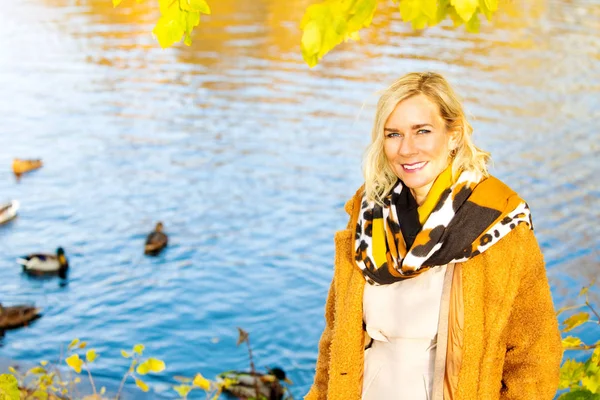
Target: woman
(439, 289)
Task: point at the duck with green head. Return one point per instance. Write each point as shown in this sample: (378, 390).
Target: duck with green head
(40, 264)
(245, 384)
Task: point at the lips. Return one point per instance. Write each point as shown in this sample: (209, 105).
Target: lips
(414, 167)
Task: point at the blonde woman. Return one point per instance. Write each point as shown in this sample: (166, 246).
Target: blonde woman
(439, 288)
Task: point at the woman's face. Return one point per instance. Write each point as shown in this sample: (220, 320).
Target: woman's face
(417, 144)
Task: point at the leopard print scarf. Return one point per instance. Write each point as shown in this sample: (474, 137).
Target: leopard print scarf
(470, 216)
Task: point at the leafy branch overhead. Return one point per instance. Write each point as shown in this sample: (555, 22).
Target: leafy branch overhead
(329, 23)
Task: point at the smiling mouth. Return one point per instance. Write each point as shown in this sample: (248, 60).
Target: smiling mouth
(414, 167)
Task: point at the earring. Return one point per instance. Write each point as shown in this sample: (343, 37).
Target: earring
(453, 153)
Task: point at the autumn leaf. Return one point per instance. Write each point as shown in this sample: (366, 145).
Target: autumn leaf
(91, 355)
(571, 373)
(571, 341)
(182, 390)
(138, 349)
(73, 343)
(141, 384)
(201, 382)
(74, 362)
(575, 320)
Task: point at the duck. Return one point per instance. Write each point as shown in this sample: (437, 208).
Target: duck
(245, 384)
(157, 240)
(17, 316)
(40, 264)
(21, 166)
(8, 211)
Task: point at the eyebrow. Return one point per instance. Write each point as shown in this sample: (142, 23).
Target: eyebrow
(417, 126)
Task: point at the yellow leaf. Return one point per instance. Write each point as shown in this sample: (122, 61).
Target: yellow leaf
(195, 5)
(13, 370)
(116, 2)
(465, 8)
(571, 341)
(44, 363)
(73, 343)
(142, 369)
(575, 320)
(492, 5)
(37, 370)
(125, 354)
(141, 384)
(168, 31)
(429, 8)
(311, 45)
(40, 394)
(139, 349)
(473, 24)
(409, 10)
(155, 365)
(420, 22)
(74, 362)
(103, 390)
(201, 382)
(583, 291)
(77, 380)
(182, 390)
(82, 345)
(91, 355)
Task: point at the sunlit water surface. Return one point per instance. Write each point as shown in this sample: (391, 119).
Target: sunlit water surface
(248, 156)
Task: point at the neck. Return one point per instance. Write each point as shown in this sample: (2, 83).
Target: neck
(421, 193)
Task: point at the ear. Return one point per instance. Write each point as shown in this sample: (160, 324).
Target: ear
(453, 139)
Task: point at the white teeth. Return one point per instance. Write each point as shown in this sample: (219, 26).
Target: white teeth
(414, 166)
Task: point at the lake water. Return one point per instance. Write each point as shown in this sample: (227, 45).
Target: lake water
(248, 156)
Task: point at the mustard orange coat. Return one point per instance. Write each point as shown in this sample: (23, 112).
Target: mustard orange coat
(503, 340)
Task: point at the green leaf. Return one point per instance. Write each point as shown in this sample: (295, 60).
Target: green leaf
(465, 8)
(73, 343)
(575, 320)
(571, 373)
(571, 341)
(579, 394)
(91, 355)
(182, 390)
(74, 362)
(141, 384)
(9, 387)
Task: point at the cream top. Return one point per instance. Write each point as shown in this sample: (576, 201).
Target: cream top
(402, 318)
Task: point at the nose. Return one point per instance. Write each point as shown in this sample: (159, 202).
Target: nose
(407, 147)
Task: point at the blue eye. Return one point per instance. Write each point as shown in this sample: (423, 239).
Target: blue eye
(392, 134)
(423, 131)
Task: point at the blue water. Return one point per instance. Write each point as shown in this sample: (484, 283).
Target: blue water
(248, 156)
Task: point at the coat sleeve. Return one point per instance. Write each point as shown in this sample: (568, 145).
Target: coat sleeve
(534, 348)
(318, 391)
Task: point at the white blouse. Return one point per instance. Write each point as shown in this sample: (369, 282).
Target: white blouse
(402, 318)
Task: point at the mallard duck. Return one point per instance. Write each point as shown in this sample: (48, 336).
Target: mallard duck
(17, 316)
(246, 383)
(22, 166)
(45, 264)
(8, 211)
(156, 241)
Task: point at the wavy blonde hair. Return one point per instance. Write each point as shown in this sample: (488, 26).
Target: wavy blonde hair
(379, 177)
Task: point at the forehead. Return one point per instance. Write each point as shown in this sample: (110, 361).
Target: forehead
(418, 109)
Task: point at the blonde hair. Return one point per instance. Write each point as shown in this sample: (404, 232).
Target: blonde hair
(379, 177)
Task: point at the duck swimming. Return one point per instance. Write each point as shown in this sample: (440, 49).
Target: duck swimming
(157, 240)
(8, 211)
(21, 166)
(17, 316)
(45, 264)
(246, 383)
